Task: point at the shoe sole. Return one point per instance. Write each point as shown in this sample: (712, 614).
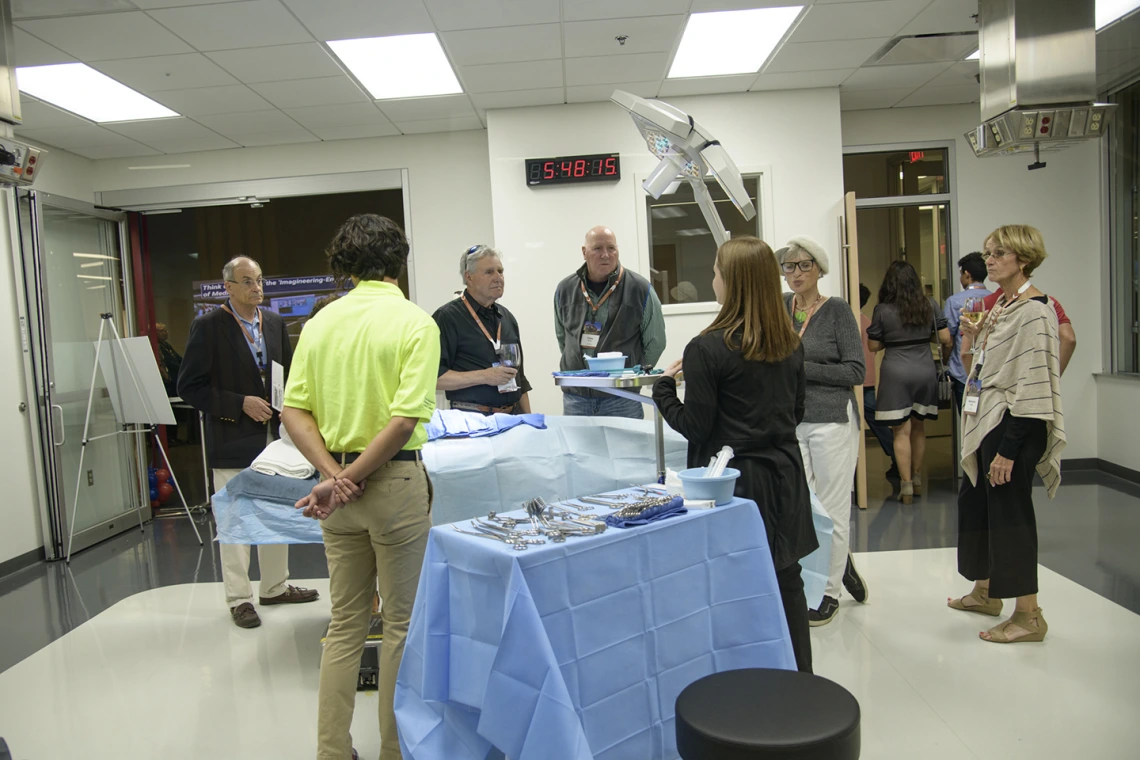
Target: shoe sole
(818, 623)
(271, 602)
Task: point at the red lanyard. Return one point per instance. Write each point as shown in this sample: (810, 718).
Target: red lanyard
(496, 342)
(247, 333)
(590, 301)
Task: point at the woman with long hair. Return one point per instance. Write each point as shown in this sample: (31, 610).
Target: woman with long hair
(744, 388)
(904, 323)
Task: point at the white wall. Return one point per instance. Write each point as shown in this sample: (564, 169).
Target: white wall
(1062, 200)
(450, 207)
(793, 136)
(1118, 419)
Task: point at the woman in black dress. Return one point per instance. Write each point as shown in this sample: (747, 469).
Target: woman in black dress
(745, 386)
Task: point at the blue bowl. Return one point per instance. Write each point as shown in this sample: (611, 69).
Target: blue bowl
(698, 487)
(616, 362)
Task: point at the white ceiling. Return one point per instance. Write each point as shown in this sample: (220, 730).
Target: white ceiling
(256, 72)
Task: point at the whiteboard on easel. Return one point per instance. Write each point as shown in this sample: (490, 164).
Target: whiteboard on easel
(152, 407)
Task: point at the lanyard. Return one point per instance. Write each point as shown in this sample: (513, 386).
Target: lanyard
(991, 320)
(496, 341)
(810, 314)
(248, 335)
(590, 301)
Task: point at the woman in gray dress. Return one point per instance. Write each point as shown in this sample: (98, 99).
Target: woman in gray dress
(904, 324)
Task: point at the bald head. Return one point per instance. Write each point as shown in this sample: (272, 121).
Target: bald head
(242, 277)
(601, 253)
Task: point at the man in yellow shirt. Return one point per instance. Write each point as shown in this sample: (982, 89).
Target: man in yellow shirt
(361, 388)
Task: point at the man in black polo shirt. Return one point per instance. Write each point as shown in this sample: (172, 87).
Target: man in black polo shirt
(476, 338)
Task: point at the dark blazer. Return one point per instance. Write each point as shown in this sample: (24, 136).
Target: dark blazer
(218, 371)
(753, 407)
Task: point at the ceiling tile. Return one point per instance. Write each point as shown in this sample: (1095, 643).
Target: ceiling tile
(819, 56)
(75, 137)
(440, 125)
(281, 62)
(160, 129)
(892, 77)
(419, 109)
(449, 15)
(860, 100)
(943, 16)
(117, 151)
(255, 23)
(346, 115)
(350, 19)
(310, 92)
(958, 74)
(37, 115)
(276, 138)
(32, 51)
(706, 85)
(209, 100)
(851, 21)
(586, 10)
(545, 97)
(248, 122)
(108, 36)
(802, 80)
(615, 68)
(166, 72)
(512, 43)
(37, 8)
(942, 96)
(386, 129)
(194, 144)
(499, 77)
(592, 93)
(645, 35)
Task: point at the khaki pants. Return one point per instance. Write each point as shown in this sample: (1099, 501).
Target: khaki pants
(379, 538)
(272, 558)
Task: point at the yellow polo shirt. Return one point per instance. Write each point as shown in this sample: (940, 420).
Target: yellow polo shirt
(369, 356)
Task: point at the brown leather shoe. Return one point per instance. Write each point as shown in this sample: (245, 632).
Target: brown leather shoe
(245, 616)
(292, 595)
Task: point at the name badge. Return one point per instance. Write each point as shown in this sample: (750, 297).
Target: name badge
(591, 334)
(973, 397)
(277, 396)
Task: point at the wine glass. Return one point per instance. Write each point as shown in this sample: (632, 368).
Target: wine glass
(974, 311)
(509, 356)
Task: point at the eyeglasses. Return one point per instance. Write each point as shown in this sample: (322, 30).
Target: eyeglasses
(997, 255)
(248, 283)
(804, 266)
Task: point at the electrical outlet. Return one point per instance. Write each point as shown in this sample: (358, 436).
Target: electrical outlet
(90, 477)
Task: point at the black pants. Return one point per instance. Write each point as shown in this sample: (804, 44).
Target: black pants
(791, 585)
(997, 528)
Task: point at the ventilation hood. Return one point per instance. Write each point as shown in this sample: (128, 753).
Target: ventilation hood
(1038, 77)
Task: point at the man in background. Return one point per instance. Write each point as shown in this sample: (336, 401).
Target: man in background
(604, 307)
(972, 276)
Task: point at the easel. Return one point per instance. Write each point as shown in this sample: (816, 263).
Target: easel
(149, 422)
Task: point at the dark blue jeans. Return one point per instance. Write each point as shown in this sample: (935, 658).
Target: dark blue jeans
(882, 432)
(610, 406)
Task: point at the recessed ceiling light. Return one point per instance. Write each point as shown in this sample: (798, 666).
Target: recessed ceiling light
(1110, 11)
(667, 212)
(731, 42)
(94, 277)
(974, 56)
(94, 256)
(403, 66)
(695, 232)
(78, 88)
(92, 264)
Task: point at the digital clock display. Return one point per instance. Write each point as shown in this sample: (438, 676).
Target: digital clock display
(568, 169)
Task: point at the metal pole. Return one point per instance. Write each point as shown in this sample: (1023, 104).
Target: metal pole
(659, 434)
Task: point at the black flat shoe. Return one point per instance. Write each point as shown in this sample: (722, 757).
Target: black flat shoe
(854, 582)
(825, 614)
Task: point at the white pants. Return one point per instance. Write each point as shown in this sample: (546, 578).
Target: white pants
(830, 451)
(272, 558)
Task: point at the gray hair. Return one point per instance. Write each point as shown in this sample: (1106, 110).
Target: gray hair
(228, 269)
(472, 256)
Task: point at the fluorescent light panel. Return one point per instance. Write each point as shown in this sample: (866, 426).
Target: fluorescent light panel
(731, 42)
(1109, 11)
(78, 88)
(403, 66)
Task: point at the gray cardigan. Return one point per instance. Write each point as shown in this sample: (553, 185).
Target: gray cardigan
(833, 360)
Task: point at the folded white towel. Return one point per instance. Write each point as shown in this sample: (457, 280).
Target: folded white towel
(283, 458)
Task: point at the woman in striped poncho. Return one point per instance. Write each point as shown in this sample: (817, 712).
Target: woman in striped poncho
(1012, 427)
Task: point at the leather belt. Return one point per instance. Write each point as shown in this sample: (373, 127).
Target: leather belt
(404, 455)
(466, 406)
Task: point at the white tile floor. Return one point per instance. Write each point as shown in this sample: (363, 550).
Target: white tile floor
(164, 674)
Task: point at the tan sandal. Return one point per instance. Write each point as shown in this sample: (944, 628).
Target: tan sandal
(1023, 620)
(985, 606)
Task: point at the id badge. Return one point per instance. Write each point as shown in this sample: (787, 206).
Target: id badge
(973, 397)
(591, 334)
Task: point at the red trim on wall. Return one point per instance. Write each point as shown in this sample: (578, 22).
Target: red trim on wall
(144, 301)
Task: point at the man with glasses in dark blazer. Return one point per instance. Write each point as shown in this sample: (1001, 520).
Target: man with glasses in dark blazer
(226, 374)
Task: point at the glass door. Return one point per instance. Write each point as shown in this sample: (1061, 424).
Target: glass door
(74, 272)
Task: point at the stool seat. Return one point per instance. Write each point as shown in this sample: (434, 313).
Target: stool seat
(757, 713)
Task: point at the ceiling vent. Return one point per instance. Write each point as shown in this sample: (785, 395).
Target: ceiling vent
(926, 48)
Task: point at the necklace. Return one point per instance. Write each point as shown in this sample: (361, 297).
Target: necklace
(802, 314)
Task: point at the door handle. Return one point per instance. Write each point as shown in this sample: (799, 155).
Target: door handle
(62, 429)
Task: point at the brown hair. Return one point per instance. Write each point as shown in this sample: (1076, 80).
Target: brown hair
(753, 314)
(1023, 241)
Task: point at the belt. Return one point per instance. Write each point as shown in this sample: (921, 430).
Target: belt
(481, 408)
(403, 455)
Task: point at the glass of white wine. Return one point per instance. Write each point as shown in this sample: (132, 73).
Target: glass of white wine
(974, 311)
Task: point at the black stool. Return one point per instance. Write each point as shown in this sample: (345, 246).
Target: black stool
(758, 713)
